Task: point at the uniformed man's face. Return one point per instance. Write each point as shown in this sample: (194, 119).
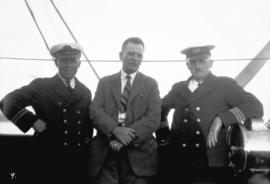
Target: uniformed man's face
(200, 68)
(67, 66)
(132, 56)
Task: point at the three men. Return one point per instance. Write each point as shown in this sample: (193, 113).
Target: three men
(61, 119)
(204, 106)
(126, 112)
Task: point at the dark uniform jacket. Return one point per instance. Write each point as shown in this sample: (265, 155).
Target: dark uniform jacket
(65, 113)
(143, 115)
(194, 113)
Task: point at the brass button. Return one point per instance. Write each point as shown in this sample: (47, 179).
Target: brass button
(198, 108)
(198, 132)
(197, 145)
(64, 110)
(66, 132)
(185, 120)
(78, 112)
(184, 145)
(65, 121)
(186, 109)
(65, 143)
(79, 122)
(79, 132)
(198, 120)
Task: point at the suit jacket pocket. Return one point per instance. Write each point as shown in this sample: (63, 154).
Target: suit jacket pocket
(148, 146)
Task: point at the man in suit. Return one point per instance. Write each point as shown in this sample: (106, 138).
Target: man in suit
(205, 105)
(61, 119)
(126, 112)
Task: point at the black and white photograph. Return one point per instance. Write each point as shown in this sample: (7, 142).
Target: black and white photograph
(135, 92)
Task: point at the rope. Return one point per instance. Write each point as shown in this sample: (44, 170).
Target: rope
(73, 36)
(115, 61)
(33, 16)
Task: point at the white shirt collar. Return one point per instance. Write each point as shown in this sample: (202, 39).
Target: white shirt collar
(72, 81)
(132, 76)
(193, 85)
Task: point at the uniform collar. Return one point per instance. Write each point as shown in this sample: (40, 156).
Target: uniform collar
(202, 81)
(72, 81)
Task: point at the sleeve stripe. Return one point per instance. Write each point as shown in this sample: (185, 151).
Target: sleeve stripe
(238, 114)
(18, 115)
(163, 124)
(234, 113)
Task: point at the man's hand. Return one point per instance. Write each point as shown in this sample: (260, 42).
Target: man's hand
(116, 145)
(124, 134)
(39, 126)
(212, 138)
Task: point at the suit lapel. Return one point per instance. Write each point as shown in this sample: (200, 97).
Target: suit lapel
(59, 87)
(185, 92)
(116, 88)
(136, 87)
(63, 93)
(76, 94)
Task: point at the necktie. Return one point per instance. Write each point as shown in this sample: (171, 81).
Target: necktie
(125, 94)
(69, 85)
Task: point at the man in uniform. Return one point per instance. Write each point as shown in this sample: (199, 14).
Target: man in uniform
(205, 105)
(126, 112)
(61, 119)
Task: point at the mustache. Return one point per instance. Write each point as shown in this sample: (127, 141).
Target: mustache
(195, 70)
(133, 62)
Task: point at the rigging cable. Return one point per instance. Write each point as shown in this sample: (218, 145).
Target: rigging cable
(65, 23)
(58, 33)
(152, 61)
(33, 16)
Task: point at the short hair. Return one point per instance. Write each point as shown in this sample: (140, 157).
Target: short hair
(135, 40)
